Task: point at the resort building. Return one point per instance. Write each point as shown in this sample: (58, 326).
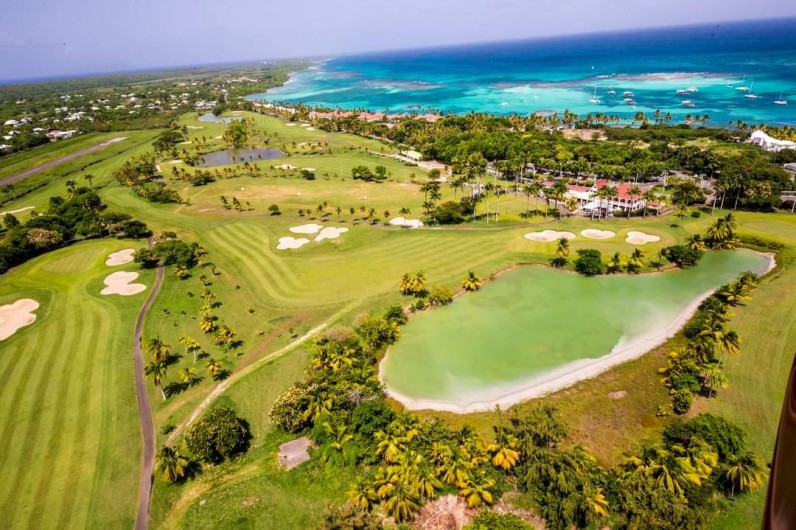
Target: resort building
(770, 144)
(589, 200)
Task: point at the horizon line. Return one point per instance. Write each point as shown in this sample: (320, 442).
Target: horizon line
(315, 58)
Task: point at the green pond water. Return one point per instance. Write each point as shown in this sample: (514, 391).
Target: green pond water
(534, 327)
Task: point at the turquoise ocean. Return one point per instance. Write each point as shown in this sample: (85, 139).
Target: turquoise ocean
(730, 72)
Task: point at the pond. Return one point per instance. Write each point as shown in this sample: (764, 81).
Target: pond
(536, 330)
(238, 156)
(212, 118)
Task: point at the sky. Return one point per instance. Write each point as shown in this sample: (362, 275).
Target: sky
(47, 38)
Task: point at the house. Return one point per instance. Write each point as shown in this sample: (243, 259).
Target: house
(412, 155)
(11, 123)
(588, 199)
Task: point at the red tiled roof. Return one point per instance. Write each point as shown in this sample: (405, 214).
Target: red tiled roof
(623, 192)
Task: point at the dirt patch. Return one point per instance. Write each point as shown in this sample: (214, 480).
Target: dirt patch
(619, 394)
(251, 501)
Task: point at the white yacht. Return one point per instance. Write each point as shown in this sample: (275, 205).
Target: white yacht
(687, 103)
(594, 99)
(781, 101)
(751, 94)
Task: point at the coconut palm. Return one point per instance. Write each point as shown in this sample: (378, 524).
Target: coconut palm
(472, 282)
(562, 249)
(170, 464)
(616, 263)
(213, 368)
(189, 376)
(401, 502)
(208, 324)
(635, 262)
(733, 293)
(503, 455)
(695, 242)
(361, 493)
(156, 371)
(191, 345)
(713, 376)
(158, 349)
(745, 473)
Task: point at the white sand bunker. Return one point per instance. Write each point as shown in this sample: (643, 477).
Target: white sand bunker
(640, 238)
(285, 166)
(16, 315)
(309, 169)
(310, 129)
(409, 223)
(330, 232)
(306, 229)
(290, 124)
(120, 258)
(547, 236)
(119, 283)
(291, 243)
(591, 233)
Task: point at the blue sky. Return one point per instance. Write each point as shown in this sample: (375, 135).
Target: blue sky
(41, 38)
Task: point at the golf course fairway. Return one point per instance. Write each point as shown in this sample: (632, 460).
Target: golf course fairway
(536, 329)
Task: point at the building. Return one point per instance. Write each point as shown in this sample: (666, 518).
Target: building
(412, 155)
(770, 144)
(589, 200)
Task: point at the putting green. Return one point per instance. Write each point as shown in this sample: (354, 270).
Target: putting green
(537, 329)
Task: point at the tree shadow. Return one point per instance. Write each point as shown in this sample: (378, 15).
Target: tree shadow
(174, 388)
(223, 374)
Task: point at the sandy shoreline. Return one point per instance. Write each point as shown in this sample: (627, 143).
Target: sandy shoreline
(562, 377)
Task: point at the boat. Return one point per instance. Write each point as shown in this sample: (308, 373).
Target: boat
(692, 89)
(628, 94)
(594, 98)
(629, 101)
(611, 92)
(743, 88)
(683, 92)
(751, 94)
(687, 103)
(781, 101)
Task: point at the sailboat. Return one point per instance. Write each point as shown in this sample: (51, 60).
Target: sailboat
(594, 98)
(611, 92)
(751, 95)
(781, 101)
(743, 88)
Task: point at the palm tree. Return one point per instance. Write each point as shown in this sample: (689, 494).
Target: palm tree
(361, 493)
(457, 184)
(649, 196)
(528, 191)
(695, 242)
(191, 345)
(745, 473)
(562, 250)
(401, 502)
(170, 464)
(158, 350)
(616, 264)
(213, 368)
(208, 324)
(188, 375)
(472, 282)
(713, 376)
(156, 370)
(635, 262)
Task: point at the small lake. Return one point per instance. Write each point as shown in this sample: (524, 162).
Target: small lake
(536, 329)
(212, 118)
(238, 156)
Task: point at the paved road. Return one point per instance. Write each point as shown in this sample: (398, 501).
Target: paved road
(144, 411)
(59, 161)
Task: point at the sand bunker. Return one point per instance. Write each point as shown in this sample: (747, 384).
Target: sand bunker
(306, 229)
(640, 238)
(285, 166)
(546, 236)
(309, 169)
(591, 233)
(290, 124)
(16, 315)
(310, 129)
(119, 283)
(305, 124)
(120, 258)
(409, 223)
(291, 243)
(330, 232)
(194, 127)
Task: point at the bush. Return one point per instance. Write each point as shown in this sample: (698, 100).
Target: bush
(371, 416)
(219, 435)
(307, 174)
(725, 437)
(287, 411)
(174, 253)
(696, 214)
(682, 255)
(144, 257)
(449, 213)
(440, 295)
(682, 400)
(274, 209)
(589, 262)
(497, 521)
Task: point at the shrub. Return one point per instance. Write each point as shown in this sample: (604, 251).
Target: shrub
(497, 521)
(287, 411)
(589, 262)
(696, 214)
(682, 255)
(174, 253)
(219, 435)
(725, 437)
(307, 174)
(440, 295)
(274, 209)
(682, 400)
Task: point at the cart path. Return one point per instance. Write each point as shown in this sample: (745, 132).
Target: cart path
(144, 411)
(59, 161)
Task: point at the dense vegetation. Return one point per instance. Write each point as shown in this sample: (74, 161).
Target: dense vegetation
(80, 215)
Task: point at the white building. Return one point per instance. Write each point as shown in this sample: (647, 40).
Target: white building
(770, 144)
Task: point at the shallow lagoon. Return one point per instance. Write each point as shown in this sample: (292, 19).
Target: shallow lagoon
(537, 329)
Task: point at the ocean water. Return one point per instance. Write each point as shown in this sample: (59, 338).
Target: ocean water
(524, 77)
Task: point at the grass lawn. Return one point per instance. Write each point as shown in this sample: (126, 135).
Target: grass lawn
(69, 418)
(74, 415)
